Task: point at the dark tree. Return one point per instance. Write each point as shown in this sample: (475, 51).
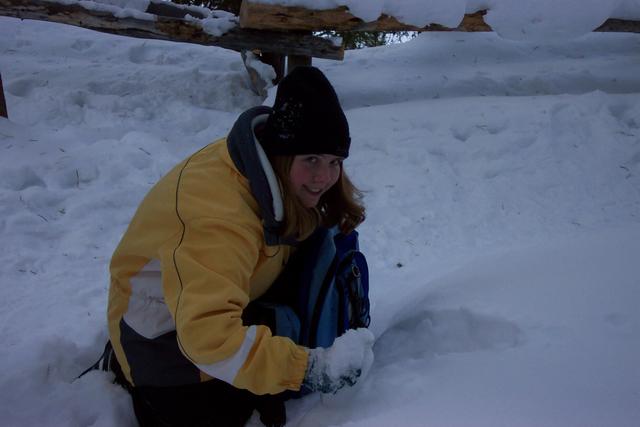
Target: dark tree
(232, 6)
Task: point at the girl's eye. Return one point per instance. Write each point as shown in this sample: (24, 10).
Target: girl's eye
(311, 159)
(336, 162)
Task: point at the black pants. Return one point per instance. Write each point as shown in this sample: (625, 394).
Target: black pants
(211, 403)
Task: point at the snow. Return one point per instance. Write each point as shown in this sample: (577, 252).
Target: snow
(217, 23)
(516, 20)
(352, 351)
(266, 72)
(533, 20)
(502, 181)
(212, 22)
(349, 358)
(627, 9)
(118, 8)
(548, 19)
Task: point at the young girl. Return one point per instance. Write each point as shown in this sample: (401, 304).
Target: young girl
(212, 236)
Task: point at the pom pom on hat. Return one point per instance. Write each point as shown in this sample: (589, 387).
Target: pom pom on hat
(307, 117)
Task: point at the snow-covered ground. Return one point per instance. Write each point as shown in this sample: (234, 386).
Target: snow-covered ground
(502, 183)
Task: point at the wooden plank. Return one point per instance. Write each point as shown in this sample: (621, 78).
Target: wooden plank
(294, 61)
(276, 17)
(172, 29)
(277, 61)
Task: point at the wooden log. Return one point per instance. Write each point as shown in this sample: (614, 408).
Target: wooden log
(294, 61)
(275, 17)
(172, 29)
(3, 103)
(277, 61)
(472, 22)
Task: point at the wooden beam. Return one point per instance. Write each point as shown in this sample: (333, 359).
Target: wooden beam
(171, 29)
(471, 22)
(294, 61)
(275, 17)
(277, 61)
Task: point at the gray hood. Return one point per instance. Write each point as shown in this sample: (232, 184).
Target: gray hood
(251, 161)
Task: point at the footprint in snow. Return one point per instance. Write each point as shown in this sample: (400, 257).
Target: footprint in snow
(439, 332)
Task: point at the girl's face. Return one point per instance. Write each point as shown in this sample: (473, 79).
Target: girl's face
(312, 175)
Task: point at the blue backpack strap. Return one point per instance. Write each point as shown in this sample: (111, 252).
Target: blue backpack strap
(322, 292)
(342, 301)
(352, 283)
(356, 283)
(319, 253)
(326, 285)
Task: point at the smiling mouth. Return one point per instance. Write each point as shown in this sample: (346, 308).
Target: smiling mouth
(315, 192)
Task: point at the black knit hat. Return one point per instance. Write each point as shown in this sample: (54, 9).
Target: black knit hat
(306, 118)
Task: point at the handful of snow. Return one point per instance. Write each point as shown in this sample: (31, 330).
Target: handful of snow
(349, 358)
(353, 350)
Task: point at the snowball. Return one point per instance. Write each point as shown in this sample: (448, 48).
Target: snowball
(351, 351)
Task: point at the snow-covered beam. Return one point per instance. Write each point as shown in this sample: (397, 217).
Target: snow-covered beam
(272, 16)
(265, 16)
(172, 27)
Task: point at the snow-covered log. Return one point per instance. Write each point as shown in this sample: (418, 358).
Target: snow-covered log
(272, 16)
(168, 22)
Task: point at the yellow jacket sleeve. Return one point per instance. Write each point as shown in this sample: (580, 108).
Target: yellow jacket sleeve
(206, 283)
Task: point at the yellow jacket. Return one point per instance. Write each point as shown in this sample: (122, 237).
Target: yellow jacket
(191, 260)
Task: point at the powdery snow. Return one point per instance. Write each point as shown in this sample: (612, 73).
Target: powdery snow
(216, 23)
(349, 353)
(502, 181)
(118, 8)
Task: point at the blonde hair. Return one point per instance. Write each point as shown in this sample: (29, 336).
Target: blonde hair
(341, 205)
